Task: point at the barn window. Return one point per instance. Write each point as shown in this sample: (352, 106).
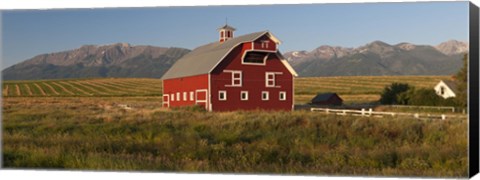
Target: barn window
(178, 96)
(265, 95)
(244, 95)
(172, 97)
(192, 96)
(270, 79)
(282, 96)
(236, 79)
(185, 96)
(254, 57)
(222, 95)
(442, 90)
(265, 44)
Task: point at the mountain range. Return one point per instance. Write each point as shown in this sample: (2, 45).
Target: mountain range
(379, 58)
(125, 60)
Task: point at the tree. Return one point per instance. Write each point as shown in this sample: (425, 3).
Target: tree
(461, 81)
(425, 97)
(390, 94)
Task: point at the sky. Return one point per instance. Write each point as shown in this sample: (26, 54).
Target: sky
(26, 33)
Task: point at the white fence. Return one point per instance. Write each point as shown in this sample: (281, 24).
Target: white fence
(371, 113)
(451, 108)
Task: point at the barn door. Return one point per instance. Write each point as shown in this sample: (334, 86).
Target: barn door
(166, 100)
(201, 98)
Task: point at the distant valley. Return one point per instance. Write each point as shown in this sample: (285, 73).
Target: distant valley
(124, 60)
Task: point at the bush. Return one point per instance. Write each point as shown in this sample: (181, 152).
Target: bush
(390, 94)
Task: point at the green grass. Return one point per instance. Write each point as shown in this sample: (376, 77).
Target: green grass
(354, 89)
(95, 133)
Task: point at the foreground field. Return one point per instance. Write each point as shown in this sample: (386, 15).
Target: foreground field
(100, 133)
(355, 89)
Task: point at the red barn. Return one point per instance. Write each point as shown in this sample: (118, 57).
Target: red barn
(235, 73)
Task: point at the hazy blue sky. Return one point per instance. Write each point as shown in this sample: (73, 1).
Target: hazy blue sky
(26, 33)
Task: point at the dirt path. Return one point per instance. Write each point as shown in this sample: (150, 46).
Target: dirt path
(5, 91)
(28, 89)
(76, 88)
(51, 88)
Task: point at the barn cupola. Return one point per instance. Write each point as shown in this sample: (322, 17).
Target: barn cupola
(226, 32)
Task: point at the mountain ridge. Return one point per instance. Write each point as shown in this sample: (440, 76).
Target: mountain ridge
(126, 60)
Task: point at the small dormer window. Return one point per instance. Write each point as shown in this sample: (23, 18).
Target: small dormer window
(254, 57)
(265, 43)
(442, 90)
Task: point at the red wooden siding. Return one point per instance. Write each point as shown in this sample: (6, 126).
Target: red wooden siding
(253, 81)
(196, 84)
(269, 46)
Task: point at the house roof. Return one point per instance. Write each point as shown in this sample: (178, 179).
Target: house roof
(204, 59)
(226, 26)
(451, 85)
(324, 96)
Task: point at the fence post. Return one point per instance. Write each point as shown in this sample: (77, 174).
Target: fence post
(326, 110)
(443, 117)
(415, 115)
(370, 111)
(363, 111)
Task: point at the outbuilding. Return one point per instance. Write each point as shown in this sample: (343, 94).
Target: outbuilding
(234, 73)
(327, 99)
(446, 89)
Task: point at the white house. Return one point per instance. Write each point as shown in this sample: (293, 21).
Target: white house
(446, 89)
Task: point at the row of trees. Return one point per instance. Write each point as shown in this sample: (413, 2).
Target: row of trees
(404, 94)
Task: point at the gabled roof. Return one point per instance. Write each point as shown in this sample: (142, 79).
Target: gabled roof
(227, 27)
(451, 85)
(324, 96)
(204, 59)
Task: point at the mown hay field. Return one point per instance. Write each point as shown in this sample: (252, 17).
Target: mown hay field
(99, 133)
(353, 89)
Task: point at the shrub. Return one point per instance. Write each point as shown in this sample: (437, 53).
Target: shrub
(390, 93)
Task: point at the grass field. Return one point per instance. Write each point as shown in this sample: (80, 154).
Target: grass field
(357, 89)
(98, 133)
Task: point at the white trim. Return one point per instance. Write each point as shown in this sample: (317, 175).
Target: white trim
(274, 74)
(232, 73)
(192, 96)
(178, 96)
(185, 98)
(203, 100)
(233, 47)
(257, 64)
(224, 95)
(284, 95)
(209, 92)
(172, 97)
(168, 100)
(267, 97)
(246, 95)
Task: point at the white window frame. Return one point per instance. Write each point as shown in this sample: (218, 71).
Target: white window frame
(172, 97)
(233, 78)
(266, 98)
(178, 96)
(284, 93)
(192, 96)
(256, 64)
(224, 95)
(273, 74)
(265, 43)
(184, 96)
(246, 95)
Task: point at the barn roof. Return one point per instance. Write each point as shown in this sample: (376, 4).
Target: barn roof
(204, 59)
(324, 97)
(451, 85)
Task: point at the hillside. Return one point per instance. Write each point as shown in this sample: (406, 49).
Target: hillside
(115, 60)
(379, 58)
